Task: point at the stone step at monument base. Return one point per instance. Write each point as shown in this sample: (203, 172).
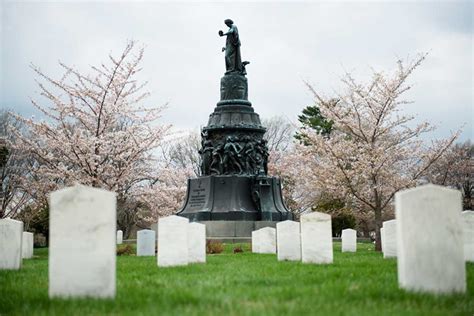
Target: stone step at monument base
(359, 240)
(231, 240)
(233, 229)
(227, 229)
(237, 240)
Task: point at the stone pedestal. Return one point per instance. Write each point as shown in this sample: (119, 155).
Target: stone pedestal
(234, 89)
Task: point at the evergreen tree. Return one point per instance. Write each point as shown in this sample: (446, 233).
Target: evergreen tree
(312, 118)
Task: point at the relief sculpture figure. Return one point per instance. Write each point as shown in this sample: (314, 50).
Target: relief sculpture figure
(248, 155)
(206, 157)
(216, 161)
(232, 156)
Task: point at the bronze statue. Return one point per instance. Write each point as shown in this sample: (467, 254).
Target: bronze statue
(234, 179)
(233, 60)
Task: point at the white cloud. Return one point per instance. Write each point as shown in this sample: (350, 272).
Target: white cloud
(284, 42)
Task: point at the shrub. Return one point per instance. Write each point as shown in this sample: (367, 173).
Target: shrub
(238, 249)
(213, 247)
(125, 250)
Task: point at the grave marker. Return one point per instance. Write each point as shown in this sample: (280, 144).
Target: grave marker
(430, 240)
(11, 235)
(82, 244)
(119, 237)
(390, 239)
(146, 241)
(27, 245)
(468, 235)
(349, 240)
(265, 239)
(197, 243)
(288, 241)
(172, 241)
(316, 238)
(255, 241)
(382, 238)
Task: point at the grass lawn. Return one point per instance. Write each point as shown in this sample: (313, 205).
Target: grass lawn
(359, 283)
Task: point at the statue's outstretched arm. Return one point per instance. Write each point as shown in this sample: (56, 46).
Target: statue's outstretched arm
(231, 30)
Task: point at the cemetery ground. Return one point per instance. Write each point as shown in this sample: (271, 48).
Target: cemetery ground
(361, 283)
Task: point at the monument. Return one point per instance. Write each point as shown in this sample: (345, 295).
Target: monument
(234, 185)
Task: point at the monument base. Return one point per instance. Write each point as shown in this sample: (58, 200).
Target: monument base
(234, 231)
(229, 231)
(234, 198)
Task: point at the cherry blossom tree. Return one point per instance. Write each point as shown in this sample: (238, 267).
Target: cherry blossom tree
(374, 150)
(96, 130)
(294, 170)
(285, 163)
(456, 169)
(13, 168)
(166, 195)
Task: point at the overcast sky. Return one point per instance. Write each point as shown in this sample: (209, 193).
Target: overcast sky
(286, 43)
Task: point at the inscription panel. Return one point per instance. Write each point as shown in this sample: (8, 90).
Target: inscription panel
(199, 194)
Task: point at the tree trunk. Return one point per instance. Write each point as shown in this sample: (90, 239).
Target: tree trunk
(467, 190)
(378, 225)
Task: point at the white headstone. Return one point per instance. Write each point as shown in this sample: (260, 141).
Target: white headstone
(27, 245)
(82, 245)
(316, 238)
(390, 239)
(468, 235)
(11, 235)
(146, 242)
(172, 241)
(119, 237)
(197, 243)
(288, 241)
(382, 238)
(349, 240)
(255, 241)
(265, 240)
(430, 240)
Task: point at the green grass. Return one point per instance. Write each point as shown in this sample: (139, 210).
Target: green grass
(238, 284)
